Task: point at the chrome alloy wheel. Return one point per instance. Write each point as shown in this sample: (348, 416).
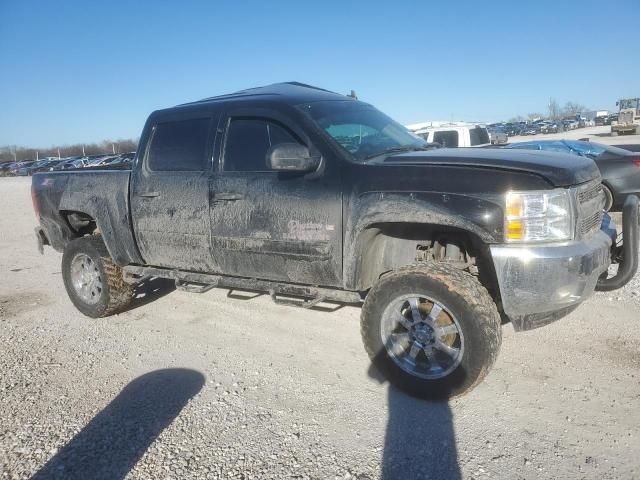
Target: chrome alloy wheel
(85, 276)
(422, 336)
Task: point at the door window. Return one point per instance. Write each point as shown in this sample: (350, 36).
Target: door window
(249, 139)
(179, 145)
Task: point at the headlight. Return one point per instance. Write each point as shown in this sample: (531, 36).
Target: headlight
(544, 216)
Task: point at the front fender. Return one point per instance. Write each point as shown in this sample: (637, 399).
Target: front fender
(480, 215)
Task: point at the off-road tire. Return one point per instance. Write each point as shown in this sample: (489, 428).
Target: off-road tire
(116, 294)
(467, 299)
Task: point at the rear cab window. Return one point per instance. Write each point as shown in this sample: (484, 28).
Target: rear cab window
(179, 145)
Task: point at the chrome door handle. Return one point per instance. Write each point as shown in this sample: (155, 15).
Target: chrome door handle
(150, 194)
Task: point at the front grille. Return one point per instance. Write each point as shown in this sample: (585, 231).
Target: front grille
(589, 193)
(590, 224)
(590, 209)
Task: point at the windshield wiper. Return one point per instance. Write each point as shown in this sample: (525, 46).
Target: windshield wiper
(405, 148)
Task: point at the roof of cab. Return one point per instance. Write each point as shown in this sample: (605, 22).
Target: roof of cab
(289, 92)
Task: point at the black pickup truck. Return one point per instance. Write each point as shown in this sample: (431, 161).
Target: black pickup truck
(310, 195)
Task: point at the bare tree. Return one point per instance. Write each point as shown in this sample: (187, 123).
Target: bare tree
(571, 109)
(534, 116)
(554, 109)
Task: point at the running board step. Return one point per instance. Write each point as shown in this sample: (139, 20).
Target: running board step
(309, 303)
(193, 287)
(202, 282)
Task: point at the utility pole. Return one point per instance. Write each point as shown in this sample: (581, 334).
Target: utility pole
(83, 151)
(58, 153)
(113, 148)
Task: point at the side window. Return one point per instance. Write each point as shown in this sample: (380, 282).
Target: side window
(248, 140)
(179, 145)
(478, 136)
(447, 138)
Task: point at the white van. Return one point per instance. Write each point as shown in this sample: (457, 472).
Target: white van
(455, 135)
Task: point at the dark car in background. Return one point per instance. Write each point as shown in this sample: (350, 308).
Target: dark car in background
(497, 135)
(620, 168)
(43, 166)
(530, 130)
(21, 168)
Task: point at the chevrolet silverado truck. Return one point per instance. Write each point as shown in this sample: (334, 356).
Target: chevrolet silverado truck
(313, 196)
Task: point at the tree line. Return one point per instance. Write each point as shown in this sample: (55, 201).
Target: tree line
(9, 153)
(554, 112)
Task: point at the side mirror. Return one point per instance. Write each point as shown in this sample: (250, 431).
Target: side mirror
(291, 157)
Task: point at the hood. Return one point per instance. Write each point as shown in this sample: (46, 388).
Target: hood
(559, 169)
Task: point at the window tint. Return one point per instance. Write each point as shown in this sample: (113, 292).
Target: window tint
(447, 138)
(248, 140)
(179, 146)
(478, 136)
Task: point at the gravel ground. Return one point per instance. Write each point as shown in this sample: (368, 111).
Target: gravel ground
(205, 386)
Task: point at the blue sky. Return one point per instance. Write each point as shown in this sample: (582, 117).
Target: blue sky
(75, 71)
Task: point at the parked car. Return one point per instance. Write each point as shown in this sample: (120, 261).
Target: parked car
(530, 130)
(69, 163)
(497, 136)
(311, 194)
(513, 129)
(635, 147)
(43, 165)
(21, 168)
(453, 136)
(551, 127)
(620, 168)
(6, 167)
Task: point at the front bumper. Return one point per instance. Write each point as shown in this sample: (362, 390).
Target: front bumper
(540, 284)
(543, 283)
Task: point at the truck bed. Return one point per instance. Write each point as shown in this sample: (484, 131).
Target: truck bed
(100, 193)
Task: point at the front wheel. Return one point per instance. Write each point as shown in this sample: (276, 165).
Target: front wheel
(93, 282)
(433, 330)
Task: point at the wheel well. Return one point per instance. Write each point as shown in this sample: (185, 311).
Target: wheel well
(388, 246)
(80, 223)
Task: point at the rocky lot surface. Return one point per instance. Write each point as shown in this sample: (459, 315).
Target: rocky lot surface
(206, 386)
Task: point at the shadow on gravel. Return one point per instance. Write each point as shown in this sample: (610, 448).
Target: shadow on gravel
(113, 442)
(420, 440)
(150, 290)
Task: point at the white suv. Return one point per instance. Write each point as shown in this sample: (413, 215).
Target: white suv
(453, 135)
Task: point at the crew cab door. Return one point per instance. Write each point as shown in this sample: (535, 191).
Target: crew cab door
(274, 225)
(170, 193)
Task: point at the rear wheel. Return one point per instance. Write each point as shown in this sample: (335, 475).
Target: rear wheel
(93, 282)
(433, 331)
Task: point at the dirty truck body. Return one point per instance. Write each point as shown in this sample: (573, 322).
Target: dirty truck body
(305, 193)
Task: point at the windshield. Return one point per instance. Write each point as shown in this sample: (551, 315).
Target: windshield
(361, 130)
